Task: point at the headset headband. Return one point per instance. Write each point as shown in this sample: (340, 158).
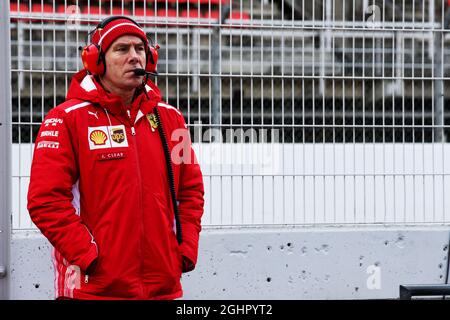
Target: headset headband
(105, 21)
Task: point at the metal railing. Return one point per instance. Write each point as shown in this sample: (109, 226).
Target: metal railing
(338, 116)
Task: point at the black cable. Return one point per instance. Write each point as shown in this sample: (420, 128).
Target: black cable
(170, 174)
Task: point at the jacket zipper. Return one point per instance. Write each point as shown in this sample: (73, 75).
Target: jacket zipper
(86, 276)
(133, 133)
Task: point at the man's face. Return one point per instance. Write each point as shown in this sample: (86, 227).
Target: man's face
(124, 55)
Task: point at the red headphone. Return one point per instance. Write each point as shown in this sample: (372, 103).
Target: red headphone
(94, 58)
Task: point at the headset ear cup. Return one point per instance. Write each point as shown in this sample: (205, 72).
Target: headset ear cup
(152, 59)
(92, 59)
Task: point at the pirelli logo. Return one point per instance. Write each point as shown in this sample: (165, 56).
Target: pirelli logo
(48, 144)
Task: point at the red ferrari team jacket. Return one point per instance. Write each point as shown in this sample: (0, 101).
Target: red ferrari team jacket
(99, 191)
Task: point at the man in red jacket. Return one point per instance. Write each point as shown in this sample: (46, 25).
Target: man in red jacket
(115, 185)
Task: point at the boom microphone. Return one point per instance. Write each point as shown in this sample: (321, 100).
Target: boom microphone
(142, 72)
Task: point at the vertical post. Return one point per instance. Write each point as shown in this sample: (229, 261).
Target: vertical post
(438, 87)
(399, 83)
(5, 150)
(438, 93)
(325, 43)
(20, 50)
(431, 20)
(195, 59)
(215, 69)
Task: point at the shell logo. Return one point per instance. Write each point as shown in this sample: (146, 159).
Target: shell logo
(98, 137)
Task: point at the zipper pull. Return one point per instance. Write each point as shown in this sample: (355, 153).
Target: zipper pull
(133, 132)
(86, 278)
(129, 114)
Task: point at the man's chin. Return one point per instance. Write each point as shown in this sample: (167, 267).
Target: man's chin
(133, 83)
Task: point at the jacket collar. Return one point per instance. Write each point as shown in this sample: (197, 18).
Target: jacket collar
(85, 87)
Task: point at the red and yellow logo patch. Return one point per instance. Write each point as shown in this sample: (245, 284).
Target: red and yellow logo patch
(104, 137)
(98, 137)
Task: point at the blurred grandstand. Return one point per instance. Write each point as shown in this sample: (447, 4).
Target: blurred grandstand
(324, 71)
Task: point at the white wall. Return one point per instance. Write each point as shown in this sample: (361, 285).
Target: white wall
(322, 183)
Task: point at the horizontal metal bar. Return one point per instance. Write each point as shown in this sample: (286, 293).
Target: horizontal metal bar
(418, 115)
(331, 175)
(259, 76)
(77, 19)
(309, 225)
(408, 291)
(379, 114)
(319, 126)
(338, 33)
(251, 23)
(87, 28)
(264, 64)
(328, 225)
(256, 49)
(306, 126)
(310, 175)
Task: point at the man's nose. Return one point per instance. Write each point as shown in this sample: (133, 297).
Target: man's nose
(133, 54)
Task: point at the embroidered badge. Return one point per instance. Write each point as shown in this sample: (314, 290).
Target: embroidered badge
(153, 121)
(118, 135)
(98, 137)
(110, 156)
(107, 137)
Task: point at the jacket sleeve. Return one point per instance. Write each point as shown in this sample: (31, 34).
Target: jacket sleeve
(51, 203)
(190, 202)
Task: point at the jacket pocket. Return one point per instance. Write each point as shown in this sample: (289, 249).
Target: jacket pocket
(170, 230)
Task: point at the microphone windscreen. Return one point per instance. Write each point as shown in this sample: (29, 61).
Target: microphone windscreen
(139, 72)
